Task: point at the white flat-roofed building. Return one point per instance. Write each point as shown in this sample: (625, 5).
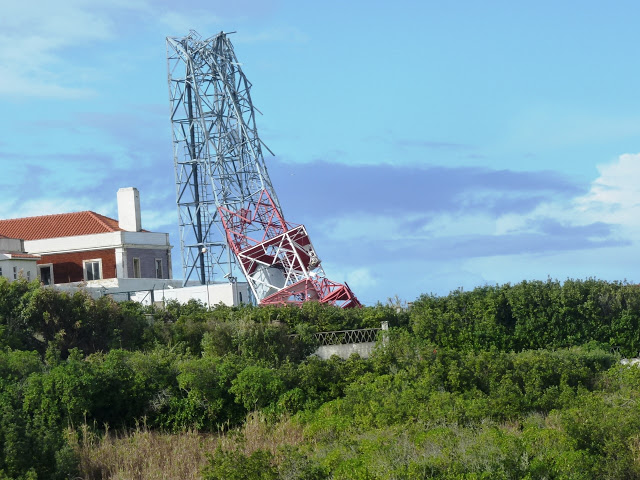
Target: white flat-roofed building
(104, 256)
(15, 263)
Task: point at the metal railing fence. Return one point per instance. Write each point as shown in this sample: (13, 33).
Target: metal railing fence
(345, 337)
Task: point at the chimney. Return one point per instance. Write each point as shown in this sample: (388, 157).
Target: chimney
(129, 209)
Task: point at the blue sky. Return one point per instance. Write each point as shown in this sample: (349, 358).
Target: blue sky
(426, 146)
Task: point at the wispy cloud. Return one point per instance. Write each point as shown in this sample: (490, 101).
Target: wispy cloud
(616, 192)
(180, 22)
(402, 191)
(286, 34)
(554, 127)
(34, 36)
(435, 145)
(447, 218)
(40, 40)
(159, 217)
(56, 204)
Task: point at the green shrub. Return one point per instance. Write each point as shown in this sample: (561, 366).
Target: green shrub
(235, 465)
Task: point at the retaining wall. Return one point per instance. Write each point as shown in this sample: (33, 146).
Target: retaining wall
(325, 352)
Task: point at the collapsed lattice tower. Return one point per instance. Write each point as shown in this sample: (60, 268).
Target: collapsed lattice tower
(229, 217)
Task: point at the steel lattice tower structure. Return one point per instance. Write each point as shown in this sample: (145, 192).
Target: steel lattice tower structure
(230, 220)
(217, 152)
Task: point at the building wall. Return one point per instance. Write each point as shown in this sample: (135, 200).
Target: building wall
(96, 241)
(25, 268)
(147, 258)
(226, 293)
(122, 247)
(67, 267)
(11, 245)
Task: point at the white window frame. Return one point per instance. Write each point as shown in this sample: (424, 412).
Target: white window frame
(137, 272)
(45, 265)
(15, 273)
(0, 271)
(84, 268)
(158, 262)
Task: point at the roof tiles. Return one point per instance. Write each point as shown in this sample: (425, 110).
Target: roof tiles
(60, 225)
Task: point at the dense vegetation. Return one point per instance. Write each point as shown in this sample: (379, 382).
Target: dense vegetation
(512, 381)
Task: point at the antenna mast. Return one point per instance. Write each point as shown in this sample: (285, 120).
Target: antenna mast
(230, 220)
(216, 149)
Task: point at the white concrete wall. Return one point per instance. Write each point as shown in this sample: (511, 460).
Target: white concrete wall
(74, 244)
(97, 241)
(11, 245)
(140, 239)
(123, 286)
(226, 293)
(325, 352)
(139, 290)
(25, 267)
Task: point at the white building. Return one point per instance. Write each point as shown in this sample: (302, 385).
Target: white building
(86, 246)
(15, 263)
(105, 256)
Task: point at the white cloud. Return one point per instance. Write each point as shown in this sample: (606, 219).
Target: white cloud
(613, 198)
(391, 227)
(282, 34)
(53, 205)
(609, 211)
(615, 195)
(42, 24)
(180, 23)
(448, 225)
(554, 127)
(40, 39)
(34, 37)
(361, 278)
(43, 85)
(362, 226)
(154, 219)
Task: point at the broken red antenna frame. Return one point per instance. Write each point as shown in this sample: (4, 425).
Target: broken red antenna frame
(278, 258)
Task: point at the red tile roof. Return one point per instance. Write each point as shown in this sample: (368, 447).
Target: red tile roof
(60, 225)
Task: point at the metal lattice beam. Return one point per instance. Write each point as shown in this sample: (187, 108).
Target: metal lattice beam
(217, 152)
(230, 220)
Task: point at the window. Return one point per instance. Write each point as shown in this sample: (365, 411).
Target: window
(28, 275)
(136, 268)
(159, 268)
(92, 269)
(0, 271)
(15, 273)
(45, 272)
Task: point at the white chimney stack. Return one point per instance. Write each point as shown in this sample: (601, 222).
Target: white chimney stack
(129, 209)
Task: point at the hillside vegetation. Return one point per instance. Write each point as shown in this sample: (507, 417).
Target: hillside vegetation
(503, 382)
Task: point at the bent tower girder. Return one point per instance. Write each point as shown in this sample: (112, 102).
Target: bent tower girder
(231, 223)
(217, 151)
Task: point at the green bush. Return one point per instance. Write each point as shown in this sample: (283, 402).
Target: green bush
(235, 465)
